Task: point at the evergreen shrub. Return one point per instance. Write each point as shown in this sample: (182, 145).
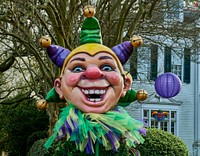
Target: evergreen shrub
(161, 143)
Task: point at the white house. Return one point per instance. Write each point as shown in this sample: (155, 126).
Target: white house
(183, 110)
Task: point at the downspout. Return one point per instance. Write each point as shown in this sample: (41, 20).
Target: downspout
(196, 144)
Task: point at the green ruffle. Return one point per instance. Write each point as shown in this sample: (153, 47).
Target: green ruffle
(88, 128)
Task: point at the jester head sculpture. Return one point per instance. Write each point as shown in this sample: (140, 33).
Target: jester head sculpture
(92, 81)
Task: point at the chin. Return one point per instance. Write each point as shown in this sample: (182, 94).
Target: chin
(98, 110)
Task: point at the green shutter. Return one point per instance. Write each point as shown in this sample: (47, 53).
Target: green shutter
(167, 60)
(186, 76)
(154, 62)
(133, 64)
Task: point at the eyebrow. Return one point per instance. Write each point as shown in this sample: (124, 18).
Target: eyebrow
(83, 59)
(105, 57)
(78, 59)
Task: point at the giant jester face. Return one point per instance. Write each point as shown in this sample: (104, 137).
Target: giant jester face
(92, 83)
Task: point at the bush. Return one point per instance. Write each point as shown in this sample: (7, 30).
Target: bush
(38, 148)
(23, 124)
(68, 148)
(34, 137)
(161, 143)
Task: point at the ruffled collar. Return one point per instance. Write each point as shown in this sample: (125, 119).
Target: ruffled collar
(88, 129)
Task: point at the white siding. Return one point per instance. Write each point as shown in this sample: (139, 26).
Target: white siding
(185, 112)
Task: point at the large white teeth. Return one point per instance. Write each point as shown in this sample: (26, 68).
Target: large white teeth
(85, 91)
(94, 95)
(102, 91)
(93, 91)
(94, 100)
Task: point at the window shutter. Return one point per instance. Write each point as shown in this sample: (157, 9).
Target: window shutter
(154, 62)
(186, 76)
(167, 60)
(133, 64)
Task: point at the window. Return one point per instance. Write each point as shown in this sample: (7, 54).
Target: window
(177, 69)
(176, 64)
(174, 10)
(169, 124)
(144, 63)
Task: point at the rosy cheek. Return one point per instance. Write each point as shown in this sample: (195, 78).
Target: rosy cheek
(113, 78)
(72, 80)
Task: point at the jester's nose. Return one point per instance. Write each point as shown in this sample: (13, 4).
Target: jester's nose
(93, 73)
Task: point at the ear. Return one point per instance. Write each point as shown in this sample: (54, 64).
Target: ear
(127, 85)
(57, 86)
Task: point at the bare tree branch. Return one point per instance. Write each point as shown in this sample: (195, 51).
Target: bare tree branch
(7, 64)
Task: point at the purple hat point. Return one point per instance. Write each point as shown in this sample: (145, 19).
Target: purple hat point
(57, 54)
(123, 51)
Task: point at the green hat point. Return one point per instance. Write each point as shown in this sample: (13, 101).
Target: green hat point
(52, 96)
(128, 98)
(90, 32)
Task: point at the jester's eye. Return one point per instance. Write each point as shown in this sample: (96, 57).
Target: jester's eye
(106, 68)
(78, 69)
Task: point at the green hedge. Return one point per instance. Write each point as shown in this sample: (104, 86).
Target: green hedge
(161, 143)
(38, 149)
(157, 143)
(69, 149)
(21, 126)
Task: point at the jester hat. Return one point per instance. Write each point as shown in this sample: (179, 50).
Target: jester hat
(90, 43)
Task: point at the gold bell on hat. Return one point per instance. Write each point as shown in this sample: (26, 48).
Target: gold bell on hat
(45, 41)
(42, 104)
(141, 95)
(89, 11)
(136, 41)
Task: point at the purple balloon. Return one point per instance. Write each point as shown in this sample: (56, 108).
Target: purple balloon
(167, 85)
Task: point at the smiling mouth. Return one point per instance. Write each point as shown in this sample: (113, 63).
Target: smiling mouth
(94, 95)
